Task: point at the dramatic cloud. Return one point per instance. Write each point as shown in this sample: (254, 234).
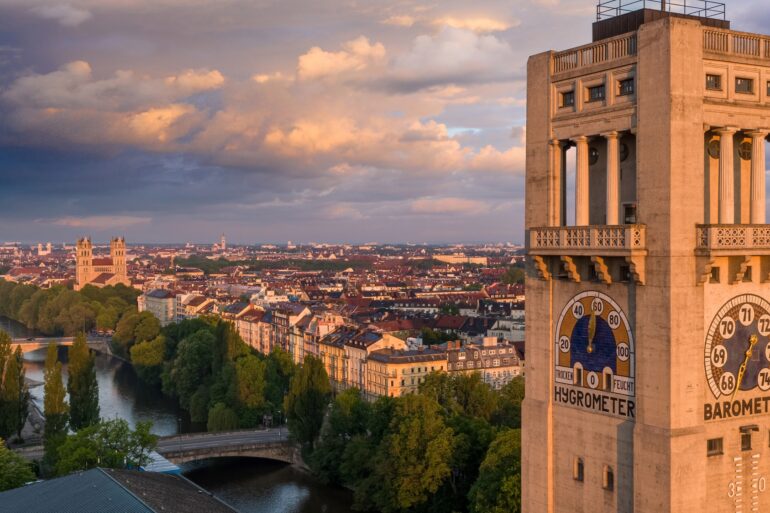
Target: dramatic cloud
(101, 222)
(357, 55)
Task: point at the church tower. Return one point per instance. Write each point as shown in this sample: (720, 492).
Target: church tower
(118, 255)
(83, 262)
(648, 292)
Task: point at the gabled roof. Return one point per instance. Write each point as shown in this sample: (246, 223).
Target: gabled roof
(103, 278)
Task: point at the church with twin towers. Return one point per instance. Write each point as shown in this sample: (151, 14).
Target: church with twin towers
(648, 290)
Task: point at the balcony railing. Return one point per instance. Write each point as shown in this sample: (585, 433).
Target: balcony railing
(595, 53)
(734, 238)
(701, 8)
(729, 42)
(589, 240)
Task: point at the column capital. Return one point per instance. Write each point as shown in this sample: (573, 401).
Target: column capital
(579, 139)
(725, 130)
(613, 134)
(554, 142)
(759, 132)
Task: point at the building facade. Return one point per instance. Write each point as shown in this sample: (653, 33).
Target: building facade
(648, 293)
(100, 271)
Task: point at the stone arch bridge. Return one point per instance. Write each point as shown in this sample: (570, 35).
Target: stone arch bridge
(270, 444)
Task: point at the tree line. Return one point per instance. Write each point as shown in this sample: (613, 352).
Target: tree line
(207, 367)
(453, 447)
(209, 266)
(60, 311)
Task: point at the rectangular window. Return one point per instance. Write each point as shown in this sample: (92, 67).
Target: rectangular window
(714, 82)
(744, 85)
(746, 441)
(714, 447)
(768, 88)
(568, 99)
(577, 469)
(626, 87)
(608, 481)
(596, 93)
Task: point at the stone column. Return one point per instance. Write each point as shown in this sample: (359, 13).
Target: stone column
(757, 176)
(613, 177)
(581, 182)
(554, 213)
(726, 172)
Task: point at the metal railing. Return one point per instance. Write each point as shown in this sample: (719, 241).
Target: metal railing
(729, 42)
(597, 238)
(595, 53)
(700, 8)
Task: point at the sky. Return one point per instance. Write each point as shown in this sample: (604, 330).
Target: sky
(274, 120)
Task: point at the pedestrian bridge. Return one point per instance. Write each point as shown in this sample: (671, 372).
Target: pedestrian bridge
(272, 444)
(27, 346)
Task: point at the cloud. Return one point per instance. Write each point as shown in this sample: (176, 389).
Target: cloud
(479, 25)
(400, 21)
(435, 206)
(357, 55)
(100, 222)
(453, 56)
(64, 14)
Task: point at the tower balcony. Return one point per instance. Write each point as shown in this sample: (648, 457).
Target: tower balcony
(733, 239)
(596, 244)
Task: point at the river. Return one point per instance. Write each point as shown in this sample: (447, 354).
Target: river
(250, 485)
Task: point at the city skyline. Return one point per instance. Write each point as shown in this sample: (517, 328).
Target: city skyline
(177, 120)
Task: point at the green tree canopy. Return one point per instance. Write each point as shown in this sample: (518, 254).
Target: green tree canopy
(147, 358)
(192, 365)
(498, 488)
(82, 385)
(222, 418)
(14, 470)
(14, 393)
(55, 407)
(309, 393)
(108, 443)
(250, 378)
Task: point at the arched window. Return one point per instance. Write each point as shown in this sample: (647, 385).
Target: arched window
(608, 481)
(577, 469)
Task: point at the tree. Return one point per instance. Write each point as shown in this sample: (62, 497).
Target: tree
(279, 369)
(413, 459)
(55, 407)
(82, 385)
(147, 358)
(107, 319)
(14, 396)
(222, 418)
(250, 379)
(14, 470)
(108, 443)
(498, 488)
(192, 365)
(309, 393)
(509, 405)
(514, 275)
(147, 328)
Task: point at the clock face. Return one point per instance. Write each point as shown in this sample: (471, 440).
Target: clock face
(737, 353)
(594, 345)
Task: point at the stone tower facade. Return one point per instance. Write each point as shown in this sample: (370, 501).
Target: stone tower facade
(100, 271)
(84, 255)
(648, 293)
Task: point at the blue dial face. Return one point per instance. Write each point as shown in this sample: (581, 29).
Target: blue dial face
(594, 345)
(737, 353)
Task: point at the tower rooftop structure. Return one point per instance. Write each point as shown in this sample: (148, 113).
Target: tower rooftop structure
(615, 17)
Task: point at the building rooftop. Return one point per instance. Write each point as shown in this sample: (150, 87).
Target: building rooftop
(616, 17)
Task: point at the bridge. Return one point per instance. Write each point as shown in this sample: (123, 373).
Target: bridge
(27, 346)
(270, 444)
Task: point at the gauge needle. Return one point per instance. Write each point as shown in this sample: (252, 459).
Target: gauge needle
(742, 369)
(591, 333)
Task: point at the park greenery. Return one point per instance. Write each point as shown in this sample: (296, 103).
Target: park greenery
(55, 407)
(61, 311)
(215, 266)
(206, 366)
(454, 447)
(14, 391)
(82, 386)
(15, 471)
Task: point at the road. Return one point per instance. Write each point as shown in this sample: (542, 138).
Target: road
(236, 438)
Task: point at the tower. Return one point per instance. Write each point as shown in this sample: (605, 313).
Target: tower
(83, 262)
(118, 255)
(223, 243)
(648, 292)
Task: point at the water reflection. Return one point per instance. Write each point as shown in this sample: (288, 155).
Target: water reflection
(265, 486)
